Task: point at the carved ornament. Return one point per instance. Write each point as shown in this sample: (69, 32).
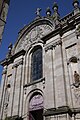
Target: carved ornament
(34, 36)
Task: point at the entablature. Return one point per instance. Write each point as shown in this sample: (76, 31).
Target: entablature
(11, 59)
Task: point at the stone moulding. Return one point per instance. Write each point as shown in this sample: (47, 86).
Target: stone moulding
(58, 111)
(28, 28)
(16, 117)
(67, 23)
(34, 82)
(9, 60)
(61, 110)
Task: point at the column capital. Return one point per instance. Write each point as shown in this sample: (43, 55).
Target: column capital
(53, 45)
(50, 47)
(17, 63)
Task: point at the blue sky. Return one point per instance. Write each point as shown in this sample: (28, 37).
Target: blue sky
(22, 12)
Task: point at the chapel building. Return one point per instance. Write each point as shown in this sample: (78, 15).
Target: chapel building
(41, 72)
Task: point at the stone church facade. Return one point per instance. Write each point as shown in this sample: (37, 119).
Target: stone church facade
(41, 75)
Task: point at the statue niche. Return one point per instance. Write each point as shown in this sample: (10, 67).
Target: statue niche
(76, 79)
(74, 68)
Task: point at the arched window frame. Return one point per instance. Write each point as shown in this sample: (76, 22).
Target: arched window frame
(30, 64)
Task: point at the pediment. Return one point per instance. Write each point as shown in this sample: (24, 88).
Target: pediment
(34, 35)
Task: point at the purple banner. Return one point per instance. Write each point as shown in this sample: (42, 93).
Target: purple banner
(36, 103)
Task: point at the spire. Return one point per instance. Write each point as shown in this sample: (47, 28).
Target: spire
(56, 15)
(48, 12)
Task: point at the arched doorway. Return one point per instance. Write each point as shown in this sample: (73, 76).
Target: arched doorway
(36, 107)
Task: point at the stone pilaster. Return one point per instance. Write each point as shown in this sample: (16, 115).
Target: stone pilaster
(11, 100)
(17, 88)
(59, 79)
(23, 77)
(49, 77)
(3, 89)
(55, 74)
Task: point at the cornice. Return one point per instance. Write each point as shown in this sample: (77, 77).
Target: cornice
(61, 110)
(58, 111)
(9, 60)
(66, 23)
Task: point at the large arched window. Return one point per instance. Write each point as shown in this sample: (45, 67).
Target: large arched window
(36, 63)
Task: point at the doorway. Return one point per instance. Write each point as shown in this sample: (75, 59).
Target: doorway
(36, 107)
(36, 115)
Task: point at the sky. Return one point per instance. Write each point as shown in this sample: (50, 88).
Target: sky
(21, 13)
